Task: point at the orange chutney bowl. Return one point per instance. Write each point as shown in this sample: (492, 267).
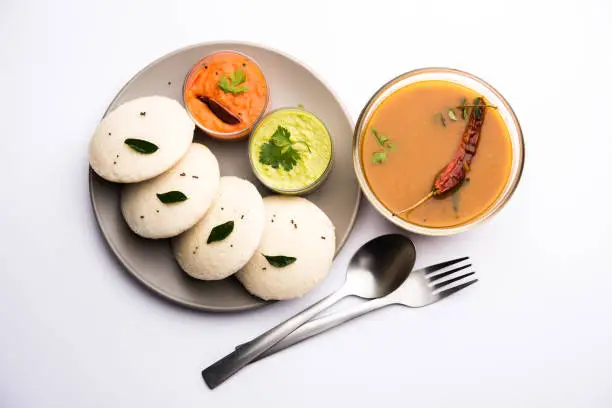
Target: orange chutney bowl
(226, 93)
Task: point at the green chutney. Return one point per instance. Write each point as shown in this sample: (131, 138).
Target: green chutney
(308, 136)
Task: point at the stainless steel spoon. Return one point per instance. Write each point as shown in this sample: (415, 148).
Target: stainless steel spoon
(376, 269)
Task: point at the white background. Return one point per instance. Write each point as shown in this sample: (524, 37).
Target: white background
(77, 331)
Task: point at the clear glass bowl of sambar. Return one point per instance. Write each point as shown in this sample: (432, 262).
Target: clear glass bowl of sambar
(386, 135)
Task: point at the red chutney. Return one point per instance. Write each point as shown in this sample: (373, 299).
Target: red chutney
(243, 92)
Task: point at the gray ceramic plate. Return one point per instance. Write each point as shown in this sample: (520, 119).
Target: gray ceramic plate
(151, 262)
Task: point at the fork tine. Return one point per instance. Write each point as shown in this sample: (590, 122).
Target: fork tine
(432, 268)
(448, 282)
(454, 289)
(444, 274)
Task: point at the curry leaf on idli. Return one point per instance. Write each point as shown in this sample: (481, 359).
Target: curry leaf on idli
(220, 232)
(274, 272)
(147, 207)
(171, 197)
(141, 146)
(237, 200)
(280, 261)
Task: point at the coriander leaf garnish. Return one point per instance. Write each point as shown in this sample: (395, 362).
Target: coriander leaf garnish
(230, 84)
(270, 155)
(220, 232)
(279, 150)
(274, 156)
(224, 84)
(171, 197)
(141, 146)
(380, 156)
(238, 77)
(280, 261)
(281, 137)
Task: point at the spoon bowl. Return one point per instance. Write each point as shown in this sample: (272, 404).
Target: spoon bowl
(380, 266)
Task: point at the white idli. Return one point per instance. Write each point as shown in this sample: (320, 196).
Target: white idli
(196, 176)
(297, 228)
(154, 119)
(237, 201)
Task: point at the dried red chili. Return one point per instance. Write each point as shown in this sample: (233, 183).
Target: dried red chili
(453, 174)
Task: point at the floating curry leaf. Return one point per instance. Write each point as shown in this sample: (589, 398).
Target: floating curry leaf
(477, 108)
(171, 197)
(280, 261)
(442, 120)
(220, 232)
(464, 109)
(141, 146)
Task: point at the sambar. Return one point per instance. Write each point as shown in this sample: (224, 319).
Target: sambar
(412, 135)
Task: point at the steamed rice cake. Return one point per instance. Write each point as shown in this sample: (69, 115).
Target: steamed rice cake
(172, 203)
(158, 122)
(296, 250)
(234, 226)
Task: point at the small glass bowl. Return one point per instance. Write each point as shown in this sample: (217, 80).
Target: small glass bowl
(236, 135)
(470, 81)
(309, 188)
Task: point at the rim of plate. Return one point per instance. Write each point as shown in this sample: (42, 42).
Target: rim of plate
(160, 291)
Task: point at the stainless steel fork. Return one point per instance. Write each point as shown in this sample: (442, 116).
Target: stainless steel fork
(422, 288)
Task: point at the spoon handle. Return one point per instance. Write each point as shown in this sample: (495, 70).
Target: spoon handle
(325, 323)
(229, 365)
